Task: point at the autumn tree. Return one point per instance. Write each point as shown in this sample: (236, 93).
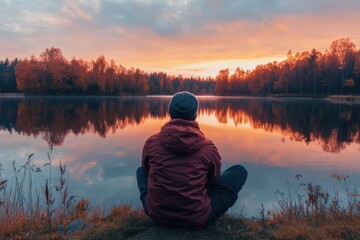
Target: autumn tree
(51, 70)
(27, 76)
(111, 79)
(222, 82)
(140, 82)
(236, 80)
(98, 75)
(75, 75)
(344, 50)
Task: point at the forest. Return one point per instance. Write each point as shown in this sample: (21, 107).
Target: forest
(336, 71)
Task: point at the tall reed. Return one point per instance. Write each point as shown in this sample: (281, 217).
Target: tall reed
(28, 199)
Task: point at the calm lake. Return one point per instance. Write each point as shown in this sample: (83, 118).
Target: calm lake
(100, 140)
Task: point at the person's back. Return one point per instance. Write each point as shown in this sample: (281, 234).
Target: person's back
(179, 181)
(180, 161)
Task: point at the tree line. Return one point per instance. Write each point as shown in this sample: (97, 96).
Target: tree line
(52, 74)
(312, 73)
(309, 73)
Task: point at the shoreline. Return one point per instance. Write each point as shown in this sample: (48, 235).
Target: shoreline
(334, 98)
(12, 95)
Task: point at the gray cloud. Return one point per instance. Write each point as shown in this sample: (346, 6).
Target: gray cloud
(178, 17)
(164, 17)
(24, 17)
(24, 23)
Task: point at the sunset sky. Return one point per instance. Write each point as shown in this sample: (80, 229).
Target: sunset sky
(189, 37)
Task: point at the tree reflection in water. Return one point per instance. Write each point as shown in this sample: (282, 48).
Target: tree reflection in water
(333, 124)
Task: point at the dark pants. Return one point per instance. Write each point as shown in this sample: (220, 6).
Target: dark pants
(223, 193)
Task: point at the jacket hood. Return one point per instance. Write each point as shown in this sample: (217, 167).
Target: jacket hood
(181, 136)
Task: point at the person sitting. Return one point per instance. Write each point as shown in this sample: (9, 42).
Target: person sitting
(180, 179)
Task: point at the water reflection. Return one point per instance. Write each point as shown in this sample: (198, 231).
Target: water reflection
(100, 140)
(54, 118)
(334, 125)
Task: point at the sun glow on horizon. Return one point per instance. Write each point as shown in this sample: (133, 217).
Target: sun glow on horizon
(210, 68)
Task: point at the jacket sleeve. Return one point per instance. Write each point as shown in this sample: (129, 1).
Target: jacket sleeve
(215, 166)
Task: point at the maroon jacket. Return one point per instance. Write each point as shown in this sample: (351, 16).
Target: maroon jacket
(180, 163)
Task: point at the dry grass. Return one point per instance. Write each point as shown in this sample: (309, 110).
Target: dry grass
(125, 222)
(128, 223)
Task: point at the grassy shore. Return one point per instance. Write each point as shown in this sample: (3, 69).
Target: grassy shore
(314, 217)
(127, 223)
(302, 212)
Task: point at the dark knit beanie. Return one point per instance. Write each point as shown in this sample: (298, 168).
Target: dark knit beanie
(183, 105)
